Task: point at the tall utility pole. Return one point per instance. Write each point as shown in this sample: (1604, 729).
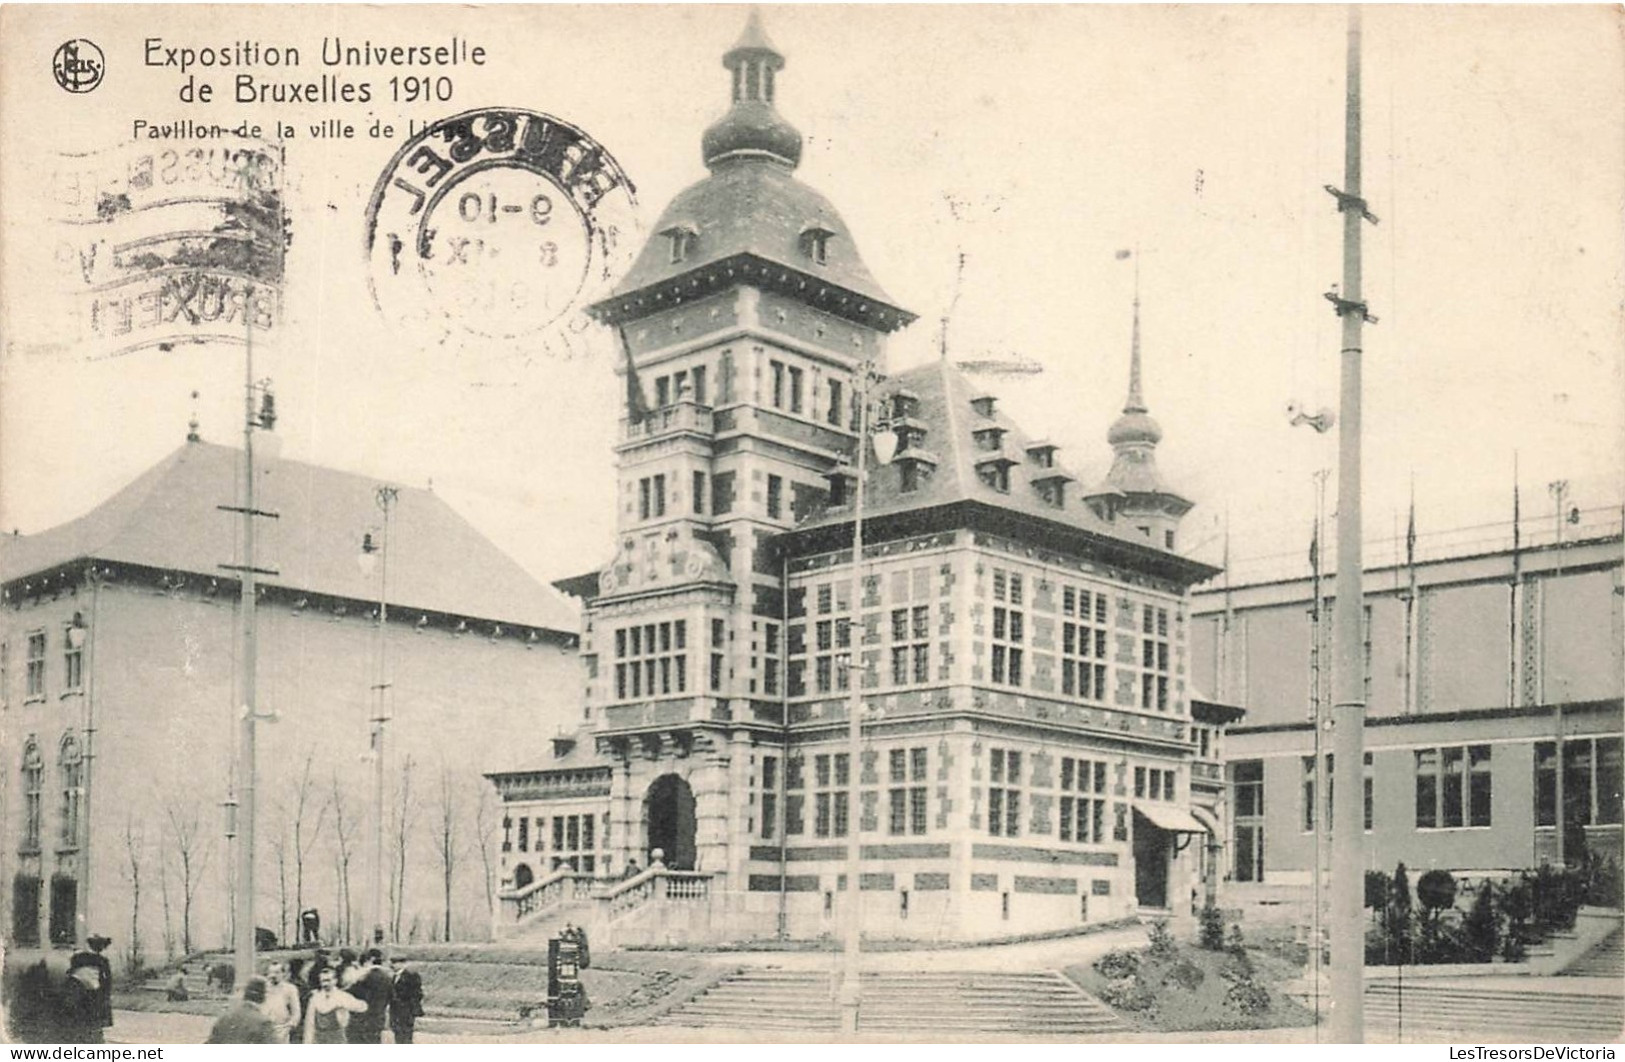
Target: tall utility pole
(1559, 489)
(248, 704)
(386, 501)
(1348, 616)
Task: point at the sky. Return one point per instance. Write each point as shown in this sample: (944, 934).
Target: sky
(990, 162)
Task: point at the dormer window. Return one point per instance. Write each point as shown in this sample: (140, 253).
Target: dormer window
(815, 243)
(680, 241)
(984, 404)
(904, 404)
(989, 439)
(995, 475)
(1053, 491)
(1043, 454)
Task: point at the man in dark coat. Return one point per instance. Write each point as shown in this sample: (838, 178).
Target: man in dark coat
(245, 1023)
(94, 996)
(373, 987)
(406, 1004)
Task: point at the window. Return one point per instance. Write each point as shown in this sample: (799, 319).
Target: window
(524, 835)
(1154, 658)
(1154, 783)
(832, 640)
(995, 474)
(651, 660)
(722, 493)
(775, 497)
(906, 773)
(36, 665)
(575, 842)
(777, 368)
(73, 658)
(680, 243)
(71, 771)
(770, 795)
(1082, 805)
(1310, 808)
(507, 833)
(699, 494)
(1083, 645)
(1591, 781)
(794, 800)
(770, 660)
(834, 414)
(33, 794)
(795, 389)
(719, 636)
(651, 497)
(1247, 780)
(830, 778)
(1004, 795)
(699, 384)
(911, 648)
(662, 392)
(1453, 787)
(1008, 630)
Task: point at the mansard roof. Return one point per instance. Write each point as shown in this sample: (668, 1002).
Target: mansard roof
(168, 518)
(951, 408)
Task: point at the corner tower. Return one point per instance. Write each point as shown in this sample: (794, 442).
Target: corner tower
(742, 325)
(1133, 492)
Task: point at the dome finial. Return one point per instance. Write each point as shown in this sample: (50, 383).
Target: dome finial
(1136, 425)
(752, 128)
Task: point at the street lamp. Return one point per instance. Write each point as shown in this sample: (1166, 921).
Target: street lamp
(884, 442)
(373, 554)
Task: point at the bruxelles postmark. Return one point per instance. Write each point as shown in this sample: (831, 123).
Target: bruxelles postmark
(500, 222)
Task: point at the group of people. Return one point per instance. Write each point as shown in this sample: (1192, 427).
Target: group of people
(321, 1002)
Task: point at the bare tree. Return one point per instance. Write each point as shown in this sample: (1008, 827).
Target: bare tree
(484, 817)
(163, 896)
(134, 851)
(308, 818)
(191, 847)
(446, 840)
(279, 850)
(402, 823)
(344, 834)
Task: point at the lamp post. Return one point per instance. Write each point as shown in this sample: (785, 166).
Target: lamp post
(374, 553)
(1559, 489)
(885, 447)
(76, 637)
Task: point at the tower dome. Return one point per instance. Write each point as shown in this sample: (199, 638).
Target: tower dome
(752, 128)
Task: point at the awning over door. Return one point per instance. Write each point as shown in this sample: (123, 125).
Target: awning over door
(1171, 817)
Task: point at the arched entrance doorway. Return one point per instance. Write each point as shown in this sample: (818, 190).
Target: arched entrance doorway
(522, 876)
(668, 814)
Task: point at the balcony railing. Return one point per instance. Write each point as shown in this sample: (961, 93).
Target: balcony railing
(653, 885)
(680, 416)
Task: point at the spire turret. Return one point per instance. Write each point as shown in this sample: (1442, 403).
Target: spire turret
(752, 128)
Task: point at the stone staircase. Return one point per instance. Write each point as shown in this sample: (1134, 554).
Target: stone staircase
(1433, 1013)
(1041, 1003)
(1607, 959)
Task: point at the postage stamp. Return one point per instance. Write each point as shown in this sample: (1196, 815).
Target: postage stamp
(500, 222)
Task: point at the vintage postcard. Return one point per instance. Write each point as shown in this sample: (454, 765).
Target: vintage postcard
(811, 523)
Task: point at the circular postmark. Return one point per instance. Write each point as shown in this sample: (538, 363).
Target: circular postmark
(78, 65)
(499, 222)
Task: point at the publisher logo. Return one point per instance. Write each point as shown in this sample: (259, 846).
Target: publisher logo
(78, 65)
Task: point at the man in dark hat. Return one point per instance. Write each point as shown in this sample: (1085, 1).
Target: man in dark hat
(92, 977)
(245, 1023)
(374, 987)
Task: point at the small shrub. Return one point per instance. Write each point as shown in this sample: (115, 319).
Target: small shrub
(1481, 929)
(1186, 975)
(1116, 965)
(1130, 994)
(1247, 996)
(1237, 944)
(1162, 941)
(1238, 966)
(1212, 927)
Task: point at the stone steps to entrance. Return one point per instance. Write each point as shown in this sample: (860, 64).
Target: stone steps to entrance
(1607, 959)
(1426, 1010)
(1034, 1003)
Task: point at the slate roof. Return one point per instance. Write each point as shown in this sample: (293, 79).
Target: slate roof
(167, 518)
(951, 422)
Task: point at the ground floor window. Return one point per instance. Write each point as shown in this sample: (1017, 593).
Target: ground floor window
(575, 842)
(1247, 779)
(1591, 781)
(25, 892)
(1453, 787)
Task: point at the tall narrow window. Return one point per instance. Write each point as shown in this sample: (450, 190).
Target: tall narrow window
(1247, 780)
(795, 389)
(33, 795)
(36, 665)
(775, 497)
(1004, 794)
(835, 405)
(1008, 637)
(777, 368)
(71, 770)
(770, 795)
(699, 493)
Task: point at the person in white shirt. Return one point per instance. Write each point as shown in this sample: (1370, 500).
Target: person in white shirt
(281, 1002)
